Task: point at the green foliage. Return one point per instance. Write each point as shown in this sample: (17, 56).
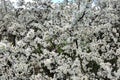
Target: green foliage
(59, 48)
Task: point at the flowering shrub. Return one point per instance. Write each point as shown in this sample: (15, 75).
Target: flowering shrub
(48, 41)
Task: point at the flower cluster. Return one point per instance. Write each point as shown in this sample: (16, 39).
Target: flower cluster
(57, 41)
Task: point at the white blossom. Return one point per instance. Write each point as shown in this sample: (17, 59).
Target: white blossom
(30, 34)
(28, 51)
(20, 43)
(3, 46)
(42, 40)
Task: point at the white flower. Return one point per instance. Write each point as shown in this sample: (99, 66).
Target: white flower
(106, 66)
(20, 67)
(28, 51)
(31, 34)
(47, 61)
(11, 29)
(117, 51)
(53, 5)
(84, 78)
(75, 78)
(66, 26)
(37, 40)
(37, 77)
(117, 74)
(20, 43)
(66, 47)
(45, 51)
(2, 46)
(46, 36)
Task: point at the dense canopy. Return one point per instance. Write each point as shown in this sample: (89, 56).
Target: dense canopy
(70, 40)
